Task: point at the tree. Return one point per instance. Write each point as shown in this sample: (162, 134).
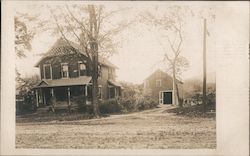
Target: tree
(93, 29)
(171, 23)
(23, 33)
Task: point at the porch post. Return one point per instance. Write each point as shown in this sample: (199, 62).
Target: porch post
(86, 90)
(69, 96)
(44, 98)
(37, 100)
(52, 101)
(52, 92)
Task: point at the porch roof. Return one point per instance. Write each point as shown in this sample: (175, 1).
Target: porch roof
(64, 82)
(113, 83)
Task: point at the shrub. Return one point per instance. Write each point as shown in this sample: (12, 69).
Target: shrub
(127, 103)
(27, 104)
(146, 102)
(80, 103)
(110, 106)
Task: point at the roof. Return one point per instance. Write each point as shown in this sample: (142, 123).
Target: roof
(64, 82)
(113, 83)
(162, 72)
(63, 47)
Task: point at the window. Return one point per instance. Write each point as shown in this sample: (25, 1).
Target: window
(47, 71)
(111, 92)
(110, 73)
(82, 68)
(158, 83)
(100, 70)
(100, 92)
(65, 70)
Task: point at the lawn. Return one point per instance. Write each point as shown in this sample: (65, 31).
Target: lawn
(151, 129)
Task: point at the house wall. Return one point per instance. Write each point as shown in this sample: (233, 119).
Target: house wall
(56, 66)
(151, 88)
(105, 74)
(102, 80)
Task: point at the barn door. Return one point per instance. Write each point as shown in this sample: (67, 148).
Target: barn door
(167, 97)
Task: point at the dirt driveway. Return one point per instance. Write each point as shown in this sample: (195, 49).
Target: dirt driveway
(148, 129)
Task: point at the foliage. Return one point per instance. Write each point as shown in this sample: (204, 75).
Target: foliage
(134, 99)
(192, 93)
(109, 106)
(24, 33)
(192, 111)
(24, 96)
(80, 102)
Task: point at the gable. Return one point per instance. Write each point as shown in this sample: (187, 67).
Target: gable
(42, 84)
(62, 48)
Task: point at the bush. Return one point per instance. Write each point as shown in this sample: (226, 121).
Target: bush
(80, 103)
(110, 106)
(25, 103)
(127, 104)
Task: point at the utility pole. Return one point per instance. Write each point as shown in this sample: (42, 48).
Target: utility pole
(204, 96)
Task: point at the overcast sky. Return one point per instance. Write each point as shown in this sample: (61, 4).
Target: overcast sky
(140, 53)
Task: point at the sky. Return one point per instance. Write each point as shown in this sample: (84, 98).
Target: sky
(140, 53)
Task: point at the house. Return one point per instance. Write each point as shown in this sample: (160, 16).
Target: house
(159, 86)
(65, 74)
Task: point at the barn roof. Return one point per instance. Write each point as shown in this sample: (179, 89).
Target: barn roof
(64, 82)
(164, 74)
(63, 47)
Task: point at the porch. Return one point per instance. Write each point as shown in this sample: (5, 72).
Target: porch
(63, 93)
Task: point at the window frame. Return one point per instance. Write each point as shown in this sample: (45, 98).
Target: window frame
(160, 84)
(79, 70)
(62, 64)
(44, 66)
(100, 92)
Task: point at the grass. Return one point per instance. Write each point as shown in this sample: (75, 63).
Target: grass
(150, 129)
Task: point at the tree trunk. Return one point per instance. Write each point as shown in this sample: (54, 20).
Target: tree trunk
(204, 94)
(177, 100)
(94, 52)
(95, 82)
(178, 95)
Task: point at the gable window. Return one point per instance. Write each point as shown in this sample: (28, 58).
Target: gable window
(47, 71)
(82, 68)
(158, 83)
(65, 70)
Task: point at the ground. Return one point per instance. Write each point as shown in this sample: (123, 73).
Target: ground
(151, 129)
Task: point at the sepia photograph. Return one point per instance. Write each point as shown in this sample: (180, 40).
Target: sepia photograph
(119, 75)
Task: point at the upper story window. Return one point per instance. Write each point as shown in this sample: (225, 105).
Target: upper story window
(158, 83)
(100, 70)
(47, 71)
(65, 70)
(110, 73)
(82, 68)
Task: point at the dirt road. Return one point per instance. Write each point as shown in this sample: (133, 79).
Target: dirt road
(153, 129)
